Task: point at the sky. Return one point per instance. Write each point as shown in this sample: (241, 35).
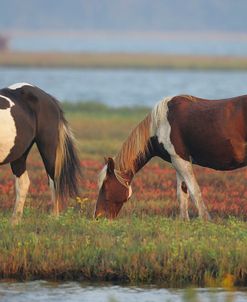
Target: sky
(124, 15)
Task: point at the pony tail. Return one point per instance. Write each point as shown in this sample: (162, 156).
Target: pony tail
(67, 164)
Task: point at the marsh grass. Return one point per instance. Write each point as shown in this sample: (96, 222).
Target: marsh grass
(132, 249)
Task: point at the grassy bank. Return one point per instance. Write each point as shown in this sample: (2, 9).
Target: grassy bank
(132, 249)
(147, 243)
(120, 60)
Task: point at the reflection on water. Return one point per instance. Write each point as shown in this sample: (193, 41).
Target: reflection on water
(73, 291)
(128, 87)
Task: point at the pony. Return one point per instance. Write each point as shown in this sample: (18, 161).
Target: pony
(30, 115)
(182, 130)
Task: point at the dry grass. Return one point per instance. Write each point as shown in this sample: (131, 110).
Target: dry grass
(120, 60)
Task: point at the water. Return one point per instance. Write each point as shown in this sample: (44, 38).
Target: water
(199, 44)
(73, 291)
(128, 87)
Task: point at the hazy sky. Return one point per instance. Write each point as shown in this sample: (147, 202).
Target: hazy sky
(140, 15)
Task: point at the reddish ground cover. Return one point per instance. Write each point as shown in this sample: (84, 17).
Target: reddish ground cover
(225, 193)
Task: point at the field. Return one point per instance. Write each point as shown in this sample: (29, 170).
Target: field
(147, 243)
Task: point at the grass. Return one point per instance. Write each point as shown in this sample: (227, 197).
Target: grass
(147, 244)
(120, 60)
(100, 129)
(134, 249)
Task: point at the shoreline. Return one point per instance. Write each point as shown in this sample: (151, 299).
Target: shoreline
(120, 61)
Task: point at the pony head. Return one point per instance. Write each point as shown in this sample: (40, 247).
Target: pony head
(114, 191)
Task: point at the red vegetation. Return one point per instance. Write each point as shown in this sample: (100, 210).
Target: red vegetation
(225, 193)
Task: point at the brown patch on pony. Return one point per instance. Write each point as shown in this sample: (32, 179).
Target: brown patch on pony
(4, 104)
(184, 187)
(136, 146)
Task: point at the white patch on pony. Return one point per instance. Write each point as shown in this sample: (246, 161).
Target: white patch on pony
(130, 192)
(185, 171)
(102, 176)
(18, 85)
(7, 131)
(21, 188)
(160, 125)
(183, 199)
(54, 199)
(52, 188)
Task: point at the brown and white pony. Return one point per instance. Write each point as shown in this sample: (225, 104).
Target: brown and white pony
(181, 130)
(29, 115)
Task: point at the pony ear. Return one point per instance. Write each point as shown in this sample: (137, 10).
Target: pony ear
(110, 165)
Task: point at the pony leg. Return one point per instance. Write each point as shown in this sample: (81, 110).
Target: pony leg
(47, 150)
(185, 171)
(54, 198)
(183, 197)
(22, 183)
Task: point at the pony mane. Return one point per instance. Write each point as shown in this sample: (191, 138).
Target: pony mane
(135, 146)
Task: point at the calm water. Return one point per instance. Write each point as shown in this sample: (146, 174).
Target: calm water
(73, 291)
(174, 44)
(128, 87)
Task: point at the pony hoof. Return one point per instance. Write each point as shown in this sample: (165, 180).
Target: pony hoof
(206, 217)
(15, 221)
(184, 217)
(55, 214)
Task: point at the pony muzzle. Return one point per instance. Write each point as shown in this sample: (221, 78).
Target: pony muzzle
(99, 215)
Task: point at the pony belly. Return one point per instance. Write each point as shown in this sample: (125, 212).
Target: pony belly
(7, 134)
(223, 161)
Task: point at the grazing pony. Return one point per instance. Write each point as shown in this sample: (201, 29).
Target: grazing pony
(181, 130)
(29, 115)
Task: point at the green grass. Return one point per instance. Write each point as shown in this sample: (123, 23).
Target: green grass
(100, 110)
(132, 249)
